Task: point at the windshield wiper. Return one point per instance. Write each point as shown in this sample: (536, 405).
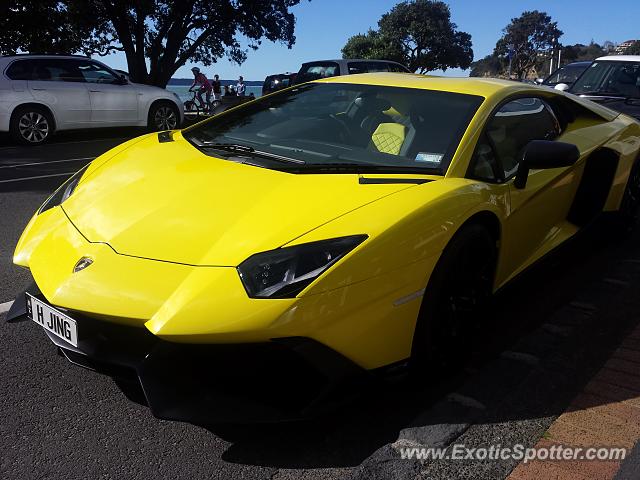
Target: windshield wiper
(607, 96)
(248, 151)
(369, 168)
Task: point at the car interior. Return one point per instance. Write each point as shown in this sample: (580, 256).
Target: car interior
(402, 127)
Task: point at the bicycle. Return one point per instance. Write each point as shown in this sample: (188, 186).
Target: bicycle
(194, 104)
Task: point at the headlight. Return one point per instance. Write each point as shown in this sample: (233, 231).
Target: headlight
(285, 272)
(63, 192)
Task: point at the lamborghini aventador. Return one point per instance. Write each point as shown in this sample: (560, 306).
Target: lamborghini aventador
(321, 233)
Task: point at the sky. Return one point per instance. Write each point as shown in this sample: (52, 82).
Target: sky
(323, 27)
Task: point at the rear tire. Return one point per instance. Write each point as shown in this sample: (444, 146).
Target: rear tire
(31, 125)
(163, 116)
(456, 301)
(627, 216)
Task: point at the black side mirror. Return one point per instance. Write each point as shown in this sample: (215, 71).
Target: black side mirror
(122, 80)
(542, 154)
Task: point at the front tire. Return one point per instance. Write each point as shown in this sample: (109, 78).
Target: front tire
(31, 125)
(456, 300)
(163, 116)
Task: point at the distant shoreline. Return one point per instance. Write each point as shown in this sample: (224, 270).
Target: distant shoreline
(188, 81)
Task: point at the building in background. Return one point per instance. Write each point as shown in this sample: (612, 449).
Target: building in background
(623, 46)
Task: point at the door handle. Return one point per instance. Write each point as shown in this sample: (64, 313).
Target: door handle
(39, 89)
(95, 91)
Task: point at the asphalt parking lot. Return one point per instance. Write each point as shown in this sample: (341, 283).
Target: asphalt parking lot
(553, 329)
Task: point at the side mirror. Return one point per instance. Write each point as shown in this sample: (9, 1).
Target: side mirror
(563, 87)
(543, 154)
(122, 80)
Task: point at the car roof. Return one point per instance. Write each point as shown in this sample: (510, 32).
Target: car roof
(344, 60)
(33, 55)
(484, 87)
(619, 58)
(578, 64)
(479, 86)
(7, 59)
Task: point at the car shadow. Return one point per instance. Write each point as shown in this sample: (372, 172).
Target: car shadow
(562, 363)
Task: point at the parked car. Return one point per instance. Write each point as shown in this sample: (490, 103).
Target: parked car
(333, 68)
(276, 82)
(566, 74)
(317, 235)
(613, 81)
(42, 94)
(123, 73)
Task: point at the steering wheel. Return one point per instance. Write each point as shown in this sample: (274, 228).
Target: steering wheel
(346, 133)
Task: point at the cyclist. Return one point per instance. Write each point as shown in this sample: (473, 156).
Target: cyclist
(202, 85)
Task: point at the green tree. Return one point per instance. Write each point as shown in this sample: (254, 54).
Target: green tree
(372, 45)
(582, 53)
(633, 49)
(527, 36)
(417, 33)
(44, 26)
(156, 36)
(489, 66)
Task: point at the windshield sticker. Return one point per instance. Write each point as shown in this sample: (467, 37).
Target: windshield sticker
(431, 159)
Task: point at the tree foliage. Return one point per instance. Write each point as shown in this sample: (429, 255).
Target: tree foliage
(44, 26)
(633, 49)
(417, 33)
(582, 53)
(165, 33)
(372, 45)
(525, 37)
(489, 66)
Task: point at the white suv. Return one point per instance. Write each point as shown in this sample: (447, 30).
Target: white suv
(41, 94)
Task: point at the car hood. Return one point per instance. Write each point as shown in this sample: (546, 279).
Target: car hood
(170, 202)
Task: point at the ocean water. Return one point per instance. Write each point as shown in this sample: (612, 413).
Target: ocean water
(183, 91)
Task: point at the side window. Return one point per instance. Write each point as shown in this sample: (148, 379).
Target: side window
(394, 67)
(485, 163)
(514, 126)
(377, 67)
(314, 71)
(95, 73)
(56, 70)
(357, 67)
(20, 70)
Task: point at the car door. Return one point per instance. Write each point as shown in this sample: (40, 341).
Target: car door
(113, 102)
(538, 212)
(56, 83)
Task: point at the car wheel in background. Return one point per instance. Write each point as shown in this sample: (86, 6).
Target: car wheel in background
(163, 116)
(456, 301)
(31, 125)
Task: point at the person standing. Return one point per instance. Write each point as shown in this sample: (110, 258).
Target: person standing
(217, 88)
(241, 88)
(203, 86)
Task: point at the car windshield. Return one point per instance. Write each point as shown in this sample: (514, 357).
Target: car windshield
(343, 127)
(610, 78)
(567, 74)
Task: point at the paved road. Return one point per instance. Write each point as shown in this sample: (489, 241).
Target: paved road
(553, 329)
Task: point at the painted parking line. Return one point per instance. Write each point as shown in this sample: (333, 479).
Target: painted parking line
(4, 307)
(18, 165)
(37, 177)
(71, 142)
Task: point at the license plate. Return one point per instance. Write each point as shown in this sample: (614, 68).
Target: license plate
(52, 320)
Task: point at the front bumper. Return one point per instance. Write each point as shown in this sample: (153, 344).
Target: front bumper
(283, 379)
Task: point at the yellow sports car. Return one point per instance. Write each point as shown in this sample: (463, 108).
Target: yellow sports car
(314, 235)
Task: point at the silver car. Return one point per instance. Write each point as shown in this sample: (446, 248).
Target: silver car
(42, 94)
